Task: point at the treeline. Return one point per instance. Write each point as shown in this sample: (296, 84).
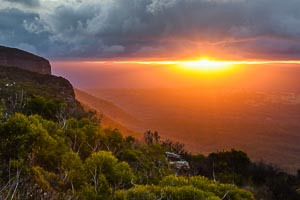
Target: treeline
(44, 156)
(266, 181)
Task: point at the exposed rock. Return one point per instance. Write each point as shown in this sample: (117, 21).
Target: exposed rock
(12, 57)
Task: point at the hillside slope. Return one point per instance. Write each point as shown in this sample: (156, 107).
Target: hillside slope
(18, 85)
(112, 116)
(265, 125)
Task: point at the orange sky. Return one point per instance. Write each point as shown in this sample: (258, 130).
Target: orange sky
(168, 74)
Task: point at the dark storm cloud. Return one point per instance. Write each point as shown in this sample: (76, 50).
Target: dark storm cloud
(21, 29)
(95, 29)
(30, 3)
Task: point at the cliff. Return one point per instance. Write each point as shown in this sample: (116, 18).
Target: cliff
(11, 57)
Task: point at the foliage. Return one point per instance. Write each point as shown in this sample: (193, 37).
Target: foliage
(266, 181)
(221, 190)
(48, 108)
(102, 165)
(164, 193)
(21, 88)
(74, 161)
(1, 111)
(151, 138)
(183, 188)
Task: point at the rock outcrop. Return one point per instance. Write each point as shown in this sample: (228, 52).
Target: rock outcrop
(12, 57)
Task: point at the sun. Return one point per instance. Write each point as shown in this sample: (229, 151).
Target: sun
(206, 65)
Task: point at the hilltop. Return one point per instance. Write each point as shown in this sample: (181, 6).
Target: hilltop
(12, 57)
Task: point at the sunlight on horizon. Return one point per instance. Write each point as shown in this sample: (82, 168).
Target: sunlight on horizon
(172, 73)
(203, 65)
(206, 65)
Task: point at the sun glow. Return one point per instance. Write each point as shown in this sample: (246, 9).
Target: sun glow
(207, 65)
(202, 65)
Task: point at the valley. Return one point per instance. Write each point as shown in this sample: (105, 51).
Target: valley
(265, 125)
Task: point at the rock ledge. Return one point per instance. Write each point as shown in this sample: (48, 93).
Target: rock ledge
(12, 57)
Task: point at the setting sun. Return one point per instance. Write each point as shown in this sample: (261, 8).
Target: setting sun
(206, 65)
(203, 65)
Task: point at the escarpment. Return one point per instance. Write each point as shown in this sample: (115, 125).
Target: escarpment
(12, 57)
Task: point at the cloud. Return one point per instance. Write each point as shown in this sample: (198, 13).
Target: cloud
(129, 28)
(16, 30)
(114, 49)
(30, 3)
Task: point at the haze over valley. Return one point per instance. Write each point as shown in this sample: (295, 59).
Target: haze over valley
(257, 111)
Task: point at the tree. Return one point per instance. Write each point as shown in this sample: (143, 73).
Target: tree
(103, 170)
(72, 173)
(48, 108)
(17, 137)
(112, 140)
(175, 147)
(122, 176)
(151, 137)
(83, 136)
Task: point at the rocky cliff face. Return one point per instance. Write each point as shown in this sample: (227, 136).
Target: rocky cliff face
(11, 57)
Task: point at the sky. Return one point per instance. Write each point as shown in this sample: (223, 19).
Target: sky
(84, 38)
(152, 29)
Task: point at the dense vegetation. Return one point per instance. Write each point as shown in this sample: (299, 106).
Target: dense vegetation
(41, 159)
(25, 91)
(49, 150)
